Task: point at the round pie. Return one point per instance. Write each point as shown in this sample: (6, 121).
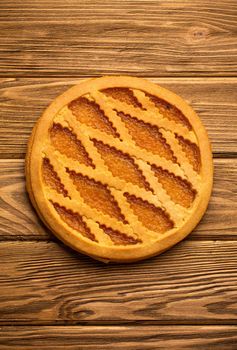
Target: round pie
(119, 168)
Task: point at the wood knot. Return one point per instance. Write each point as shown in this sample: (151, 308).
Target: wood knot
(197, 34)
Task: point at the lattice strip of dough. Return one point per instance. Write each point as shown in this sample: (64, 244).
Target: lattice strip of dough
(106, 178)
(161, 199)
(135, 227)
(164, 200)
(95, 229)
(150, 117)
(117, 188)
(100, 99)
(124, 146)
(101, 168)
(177, 212)
(165, 123)
(167, 128)
(74, 206)
(121, 200)
(82, 208)
(182, 159)
(176, 148)
(117, 193)
(66, 116)
(187, 169)
(84, 132)
(168, 135)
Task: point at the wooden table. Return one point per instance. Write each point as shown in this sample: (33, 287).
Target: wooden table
(54, 298)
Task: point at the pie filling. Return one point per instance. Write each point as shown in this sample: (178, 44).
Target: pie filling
(66, 142)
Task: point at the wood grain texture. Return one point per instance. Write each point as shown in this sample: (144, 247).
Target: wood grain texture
(17, 216)
(152, 38)
(19, 220)
(23, 100)
(192, 283)
(189, 47)
(119, 337)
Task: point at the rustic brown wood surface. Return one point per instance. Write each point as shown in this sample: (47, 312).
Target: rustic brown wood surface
(122, 338)
(152, 38)
(46, 282)
(54, 298)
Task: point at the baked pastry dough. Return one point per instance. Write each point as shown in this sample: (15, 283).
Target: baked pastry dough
(119, 168)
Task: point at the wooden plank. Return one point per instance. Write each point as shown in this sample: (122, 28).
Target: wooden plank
(22, 102)
(120, 337)
(19, 220)
(195, 282)
(165, 38)
(17, 216)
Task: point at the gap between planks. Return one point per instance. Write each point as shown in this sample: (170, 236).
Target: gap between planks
(85, 76)
(116, 323)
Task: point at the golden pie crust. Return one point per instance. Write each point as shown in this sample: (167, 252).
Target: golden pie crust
(119, 168)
